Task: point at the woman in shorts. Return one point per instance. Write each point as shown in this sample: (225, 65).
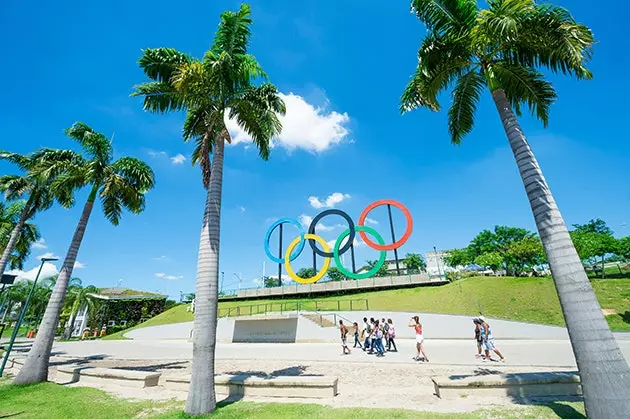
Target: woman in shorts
(417, 326)
(488, 340)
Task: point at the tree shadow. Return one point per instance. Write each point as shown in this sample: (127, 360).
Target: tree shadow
(295, 371)
(10, 415)
(77, 361)
(625, 316)
(477, 372)
(176, 365)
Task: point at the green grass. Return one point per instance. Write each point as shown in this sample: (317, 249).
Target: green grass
(531, 300)
(53, 401)
(21, 333)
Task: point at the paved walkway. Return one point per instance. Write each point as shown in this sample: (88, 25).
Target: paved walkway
(543, 353)
(436, 326)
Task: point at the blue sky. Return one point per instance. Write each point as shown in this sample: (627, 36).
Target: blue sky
(342, 67)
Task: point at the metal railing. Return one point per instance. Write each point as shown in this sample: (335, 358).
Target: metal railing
(294, 307)
(335, 318)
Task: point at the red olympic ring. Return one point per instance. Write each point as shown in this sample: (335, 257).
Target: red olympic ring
(402, 240)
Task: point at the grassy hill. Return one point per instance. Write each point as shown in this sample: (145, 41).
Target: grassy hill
(523, 299)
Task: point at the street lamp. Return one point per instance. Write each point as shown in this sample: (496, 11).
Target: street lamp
(238, 276)
(16, 328)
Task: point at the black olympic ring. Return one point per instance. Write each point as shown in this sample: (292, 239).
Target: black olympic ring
(346, 247)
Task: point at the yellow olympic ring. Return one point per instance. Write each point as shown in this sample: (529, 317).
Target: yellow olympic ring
(287, 260)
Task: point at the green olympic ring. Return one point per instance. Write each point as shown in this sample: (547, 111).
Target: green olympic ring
(374, 269)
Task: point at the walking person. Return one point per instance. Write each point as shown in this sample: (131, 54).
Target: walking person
(384, 327)
(355, 326)
(391, 335)
(417, 326)
(344, 340)
(488, 340)
(478, 338)
(367, 331)
(377, 339)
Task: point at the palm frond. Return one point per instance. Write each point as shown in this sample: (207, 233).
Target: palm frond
(21, 161)
(159, 64)
(14, 186)
(548, 36)
(233, 33)
(525, 85)
(256, 111)
(201, 155)
(159, 97)
(95, 144)
(446, 15)
(461, 115)
(136, 173)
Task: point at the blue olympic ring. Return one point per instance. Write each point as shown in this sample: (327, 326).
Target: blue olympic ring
(298, 249)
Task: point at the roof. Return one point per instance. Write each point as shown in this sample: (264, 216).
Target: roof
(120, 293)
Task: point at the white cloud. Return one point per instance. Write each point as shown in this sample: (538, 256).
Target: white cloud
(161, 258)
(306, 221)
(369, 220)
(241, 208)
(169, 277)
(78, 265)
(304, 126)
(178, 159)
(48, 270)
(40, 244)
(332, 200)
(48, 255)
(155, 153)
(357, 243)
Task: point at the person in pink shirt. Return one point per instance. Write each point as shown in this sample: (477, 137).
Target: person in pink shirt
(417, 326)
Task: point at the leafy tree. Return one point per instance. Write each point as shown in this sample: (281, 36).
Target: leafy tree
(593, 226)
(306, 273)
(623, 247)
(492, 260)
(81, 297)
(524, 254)
(414, 263)
(382, 270)
(220, 85)
(118, 183)
(458, 257)
(501, 48)
(498, 240)
(9, 218)
(270, 281)
(591, 245)
(40, 198)
(334, 274)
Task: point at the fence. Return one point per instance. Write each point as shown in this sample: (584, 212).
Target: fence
(294, 306)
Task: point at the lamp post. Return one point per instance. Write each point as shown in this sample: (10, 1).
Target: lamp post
(240, 279)
(6, 279)
(437, 261)
(16, 328)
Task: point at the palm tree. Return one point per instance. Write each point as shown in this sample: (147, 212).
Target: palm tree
(120, 183)
(81, 298)
(40, 197)
(219, 85)
(28, 234)
(501, 48)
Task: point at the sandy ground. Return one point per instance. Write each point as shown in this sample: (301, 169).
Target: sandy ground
(361, 384)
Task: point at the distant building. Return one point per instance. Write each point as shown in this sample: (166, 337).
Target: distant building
(436, 265)
(119, 307)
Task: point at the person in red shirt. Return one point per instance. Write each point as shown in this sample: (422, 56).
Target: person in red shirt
(417, 326)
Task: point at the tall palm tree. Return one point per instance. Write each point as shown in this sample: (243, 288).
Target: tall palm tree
(120, 183)
(501, 48)
(219, 85)
(10, 216)
(40, 196)
(81, 298)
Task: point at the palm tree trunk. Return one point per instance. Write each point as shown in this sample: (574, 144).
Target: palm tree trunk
(201, 396)
(604, 371)
(35, 369)
(13, 238)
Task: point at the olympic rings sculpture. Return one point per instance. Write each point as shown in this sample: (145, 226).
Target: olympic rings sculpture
(297, 245)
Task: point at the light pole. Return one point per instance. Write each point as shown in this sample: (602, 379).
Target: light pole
(238, 276)
(222, 282)
(16, 328)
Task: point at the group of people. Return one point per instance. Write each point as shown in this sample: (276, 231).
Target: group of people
(378, 335)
